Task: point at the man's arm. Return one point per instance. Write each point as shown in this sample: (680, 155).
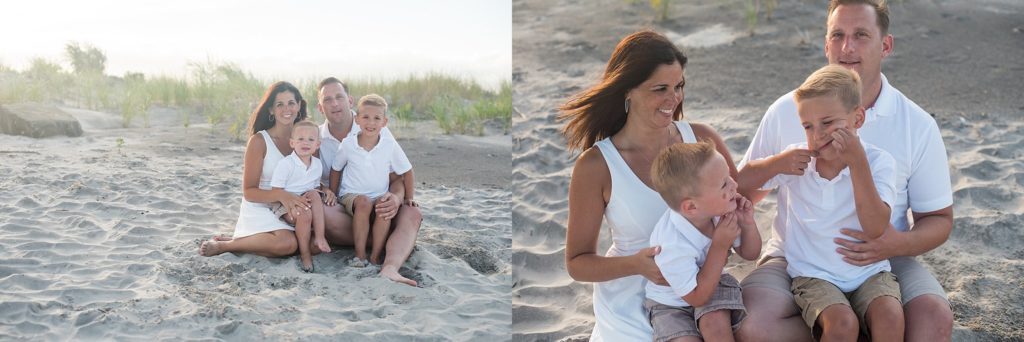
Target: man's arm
(930, 230)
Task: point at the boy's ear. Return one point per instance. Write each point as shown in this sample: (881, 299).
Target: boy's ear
(688, 206)
(858, 117)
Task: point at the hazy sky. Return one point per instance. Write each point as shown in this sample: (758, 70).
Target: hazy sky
(290, 40)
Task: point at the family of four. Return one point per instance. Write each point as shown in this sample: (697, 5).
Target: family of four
(345, 182)
(849, 155)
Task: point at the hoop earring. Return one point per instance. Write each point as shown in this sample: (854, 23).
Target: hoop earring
(627, 106)
(271, 117)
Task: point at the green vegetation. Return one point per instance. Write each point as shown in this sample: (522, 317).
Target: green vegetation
(225, 94)
(753, 9)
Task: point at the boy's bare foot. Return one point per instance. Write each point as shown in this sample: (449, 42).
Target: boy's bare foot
(357, 262)
(391, 273)
(307, 265)
(374, 259)
(322, 244)
(211, 247)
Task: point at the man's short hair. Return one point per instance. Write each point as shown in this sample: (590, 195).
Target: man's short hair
(831, 80)
(676, 171)
(330, 80)
(372, 100)
(881, 11)
(306, 123)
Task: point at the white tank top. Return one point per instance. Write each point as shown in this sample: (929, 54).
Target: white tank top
(270, 160)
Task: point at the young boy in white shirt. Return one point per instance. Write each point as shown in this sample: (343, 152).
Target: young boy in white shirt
(363, 165)
(706, 218)
(299, 174)
(848, 184)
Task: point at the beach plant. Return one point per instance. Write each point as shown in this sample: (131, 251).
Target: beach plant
(752, 10)
(136, 99)
(659, 6)
(85, 58)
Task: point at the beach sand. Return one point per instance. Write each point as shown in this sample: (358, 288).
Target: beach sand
(100, 242)
(959, 60)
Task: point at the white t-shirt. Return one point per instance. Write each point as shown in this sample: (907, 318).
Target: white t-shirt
(895, 124)
(817, 208)
(294, 176)
(683, 252)
(368, 172)
(329, 146)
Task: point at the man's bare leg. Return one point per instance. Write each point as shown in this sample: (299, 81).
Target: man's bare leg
(401, 242)
(928, 318)
(338, 226)
(275, 244)
(771, 316)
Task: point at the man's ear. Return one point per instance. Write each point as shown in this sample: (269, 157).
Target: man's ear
(887, 46)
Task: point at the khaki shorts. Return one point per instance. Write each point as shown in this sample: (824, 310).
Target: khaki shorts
(348, 202)
(914, 279)
(813, 295)
(670, 322)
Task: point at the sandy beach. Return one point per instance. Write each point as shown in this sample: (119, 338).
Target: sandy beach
(99, 240)
(957, 59)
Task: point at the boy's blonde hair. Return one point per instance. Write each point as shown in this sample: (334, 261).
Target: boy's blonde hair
(832, 80)
(676, 171)
(306, 123)
(372, 100)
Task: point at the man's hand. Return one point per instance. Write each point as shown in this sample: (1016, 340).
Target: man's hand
(871, 250)
(330, 199)
(387, 206)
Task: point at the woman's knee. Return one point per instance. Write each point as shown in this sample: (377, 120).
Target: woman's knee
(284, 247)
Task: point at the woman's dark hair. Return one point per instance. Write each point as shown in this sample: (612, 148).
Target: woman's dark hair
(599, 112)
(260, 118)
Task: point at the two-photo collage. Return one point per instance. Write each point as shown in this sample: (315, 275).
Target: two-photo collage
(512, 170)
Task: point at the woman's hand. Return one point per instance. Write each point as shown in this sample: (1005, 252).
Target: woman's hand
(647, 267)
(296, 204)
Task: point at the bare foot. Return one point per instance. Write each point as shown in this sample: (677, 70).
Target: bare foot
(391, 273)
(222, 238)
(307, 263)
(374, 259)
(322, 244)
(211, 248)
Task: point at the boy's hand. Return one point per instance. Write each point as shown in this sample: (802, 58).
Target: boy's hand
(410, 202)
(330, 199)
(848, 147)
(744, 212)
(726, 231)
(793, 161)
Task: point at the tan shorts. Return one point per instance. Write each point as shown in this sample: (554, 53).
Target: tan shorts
(914, 279)
(670, 322)
(813, 295)
(348, 201)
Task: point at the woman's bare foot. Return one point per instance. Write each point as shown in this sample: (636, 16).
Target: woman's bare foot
(211, 247)
(391, 273)
(222, 238)
(322, 244)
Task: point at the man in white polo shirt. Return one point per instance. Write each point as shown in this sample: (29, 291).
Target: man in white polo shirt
(857, 38)
(336, 105)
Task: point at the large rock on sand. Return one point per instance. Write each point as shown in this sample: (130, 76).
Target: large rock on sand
(37, 121)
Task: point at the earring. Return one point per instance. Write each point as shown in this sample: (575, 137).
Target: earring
(271, 117)
(627, 106)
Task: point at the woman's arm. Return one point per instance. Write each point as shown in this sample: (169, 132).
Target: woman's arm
(588, 193)
(252, 169)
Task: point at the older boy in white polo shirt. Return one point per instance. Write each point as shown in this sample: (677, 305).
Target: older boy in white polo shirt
(706, 218)
(848, 184)
(363, 164)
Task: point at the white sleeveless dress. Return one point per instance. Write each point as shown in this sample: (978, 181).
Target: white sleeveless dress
(255, 218)
(632, 211)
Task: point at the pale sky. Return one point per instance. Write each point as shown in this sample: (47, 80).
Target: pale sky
(287, 40)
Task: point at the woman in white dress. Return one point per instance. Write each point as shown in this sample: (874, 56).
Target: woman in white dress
(630, 116)
(258, 230)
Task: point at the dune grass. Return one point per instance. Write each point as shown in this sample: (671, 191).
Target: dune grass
(225, 95)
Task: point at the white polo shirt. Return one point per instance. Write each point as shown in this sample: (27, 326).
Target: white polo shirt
(895, 124)
(818, 208)
(683, 252)
(294, 176)
(368, 172)
(329, 146)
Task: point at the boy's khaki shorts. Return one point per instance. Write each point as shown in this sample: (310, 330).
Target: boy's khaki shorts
(670, 322)
(348, 202)
(813, 295)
